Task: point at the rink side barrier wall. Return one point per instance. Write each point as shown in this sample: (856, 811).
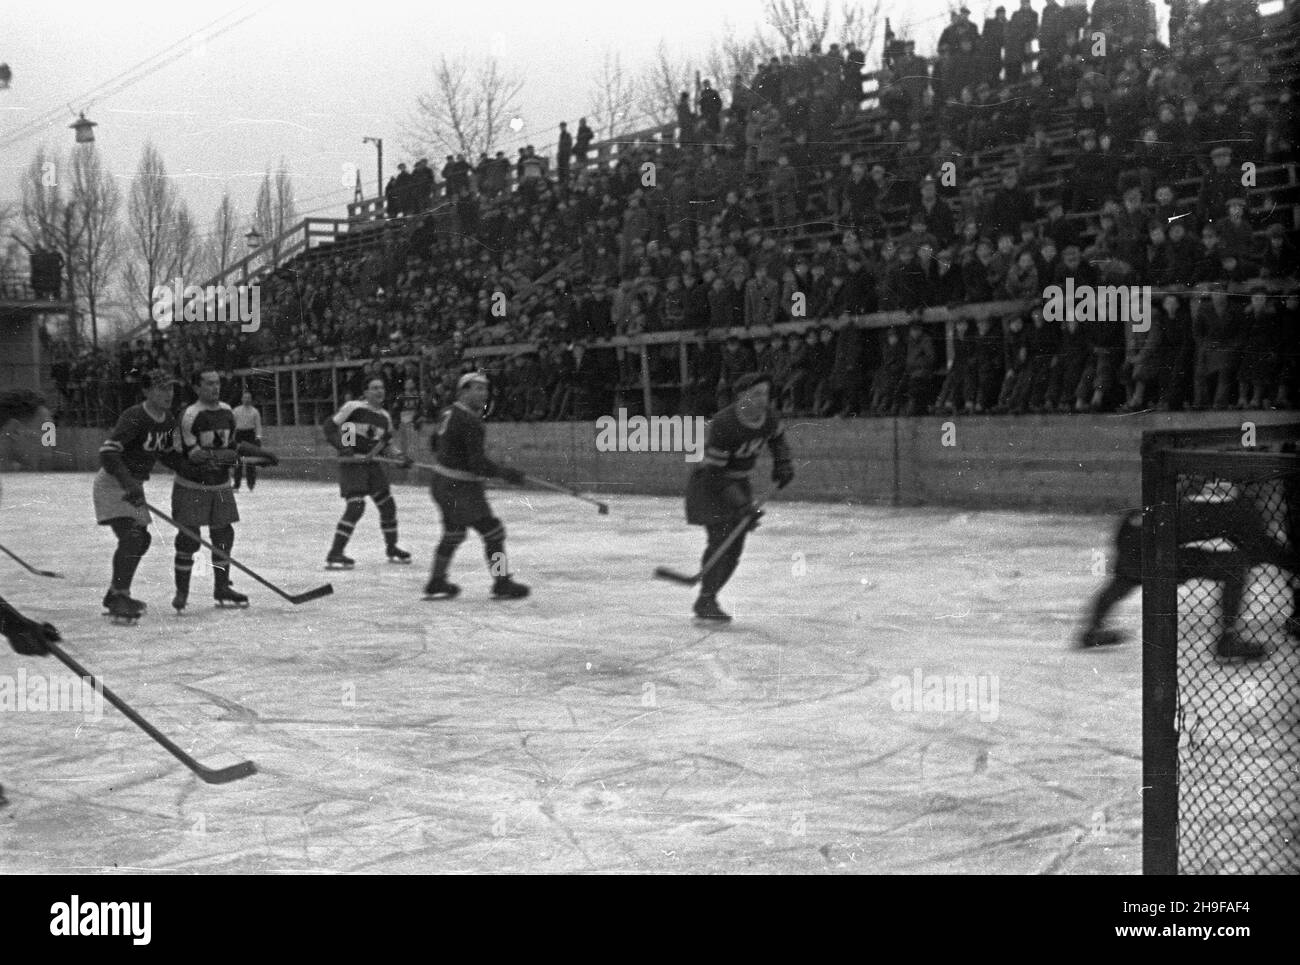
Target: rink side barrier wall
(1084, 464)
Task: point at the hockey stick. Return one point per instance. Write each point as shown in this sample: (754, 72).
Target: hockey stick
(602, 508)
(294, 598)
(29, 568)
(667, 573)
(221, 775)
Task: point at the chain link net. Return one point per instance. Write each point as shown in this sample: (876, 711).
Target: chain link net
(1238, 718)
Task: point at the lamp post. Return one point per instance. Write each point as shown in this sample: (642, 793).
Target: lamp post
(90, 284)
(254, 240)
(378, 142)
(84, 129)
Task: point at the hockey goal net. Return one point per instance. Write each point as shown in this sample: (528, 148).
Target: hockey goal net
(1221, 659)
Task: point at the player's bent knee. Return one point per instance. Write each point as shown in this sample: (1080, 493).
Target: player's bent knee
(490, 528)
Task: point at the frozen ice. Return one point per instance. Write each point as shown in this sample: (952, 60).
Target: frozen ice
(593, 726)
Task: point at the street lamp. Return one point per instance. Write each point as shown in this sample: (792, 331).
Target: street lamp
(378, 142)
(84, 129)
(254, 239)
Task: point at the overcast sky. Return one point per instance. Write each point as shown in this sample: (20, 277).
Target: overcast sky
(307, 80)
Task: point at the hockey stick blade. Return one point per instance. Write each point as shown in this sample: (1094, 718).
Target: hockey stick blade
(672, 576)
(28, 567)
(664, 573)
(315, 594)
(225, 775)
(319, 591)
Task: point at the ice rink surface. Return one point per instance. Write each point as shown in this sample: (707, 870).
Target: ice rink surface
(593, 727)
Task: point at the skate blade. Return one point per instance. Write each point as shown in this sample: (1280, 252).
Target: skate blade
(229, 606)
(340, 566)
(119, 620)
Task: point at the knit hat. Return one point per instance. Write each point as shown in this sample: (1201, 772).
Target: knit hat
(469, 378)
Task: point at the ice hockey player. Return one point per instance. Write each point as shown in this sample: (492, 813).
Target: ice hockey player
(144, 433)
(202, 494)
(718, 495)
(459, 472)
(248, 428)
(23, 415)
(361, 430)
(1219, 512)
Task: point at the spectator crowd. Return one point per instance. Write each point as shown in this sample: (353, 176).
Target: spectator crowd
(1023, 154)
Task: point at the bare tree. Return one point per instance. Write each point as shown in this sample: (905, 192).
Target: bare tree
(9, 246)
(468, 109)
(50, 220)
(611, 96)
(222, 242)
(184, 260)
(43, 203)
(734, 54)
(858, 23)
(97, 250)
(264, 210)
(151, 229)
(286, 212)
(797, 24)
(661, 82)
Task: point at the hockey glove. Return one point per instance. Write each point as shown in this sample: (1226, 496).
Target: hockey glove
(407, 462)
(512, 476)
(735, 496)
(750, 513)
(782, 474)
(258, 455)
(134, 493)
(27, 637)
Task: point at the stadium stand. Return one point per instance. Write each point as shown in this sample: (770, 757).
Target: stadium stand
(880, 251)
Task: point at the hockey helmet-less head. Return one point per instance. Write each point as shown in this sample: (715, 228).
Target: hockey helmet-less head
(469, 378)
(751, 379)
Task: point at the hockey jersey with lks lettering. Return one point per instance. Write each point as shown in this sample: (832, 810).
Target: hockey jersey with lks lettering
(206, 427)
(732, 447)
(458, 441)
(138, 439)
(372, 427)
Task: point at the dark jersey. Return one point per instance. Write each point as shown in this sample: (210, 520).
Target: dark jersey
(138, 440)
(206, 428)
(732, 447)
(459, 438)
(371, 428)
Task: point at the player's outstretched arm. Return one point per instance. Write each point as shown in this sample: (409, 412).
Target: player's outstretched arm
(248, 450)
